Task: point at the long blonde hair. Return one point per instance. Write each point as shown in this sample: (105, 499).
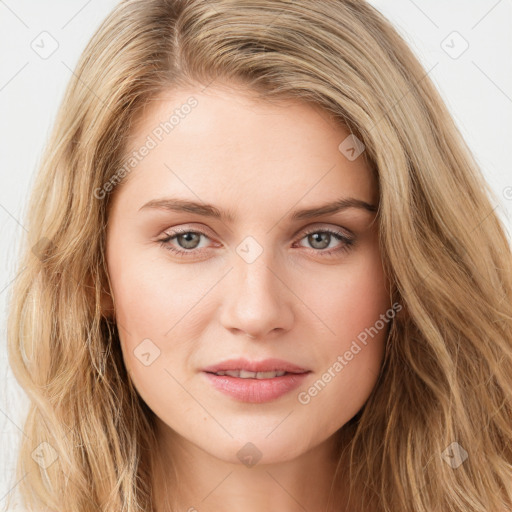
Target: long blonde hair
(445, 387)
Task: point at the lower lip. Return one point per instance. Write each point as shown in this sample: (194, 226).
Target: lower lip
(256, 390)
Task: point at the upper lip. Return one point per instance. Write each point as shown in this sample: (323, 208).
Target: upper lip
(267, 365)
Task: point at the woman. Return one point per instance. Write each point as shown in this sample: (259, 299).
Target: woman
(262, 270)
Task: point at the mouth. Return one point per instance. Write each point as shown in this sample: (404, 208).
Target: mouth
(265, 381)
(246, 369)
(244, 374)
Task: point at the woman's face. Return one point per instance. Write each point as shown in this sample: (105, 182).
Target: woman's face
(252, 273)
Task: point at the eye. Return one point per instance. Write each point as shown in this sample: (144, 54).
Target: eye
(189, 241)
(319, 239)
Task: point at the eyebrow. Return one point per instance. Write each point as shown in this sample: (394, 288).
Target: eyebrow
(209, 210)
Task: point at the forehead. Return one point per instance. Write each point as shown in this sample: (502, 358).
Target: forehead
(233, 142)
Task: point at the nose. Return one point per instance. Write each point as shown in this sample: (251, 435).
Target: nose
(256, 299)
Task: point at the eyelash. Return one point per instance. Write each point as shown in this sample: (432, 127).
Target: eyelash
(347, 242)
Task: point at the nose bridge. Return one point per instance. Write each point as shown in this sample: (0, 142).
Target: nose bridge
(256, 277)
(256, 301)
(254, 257)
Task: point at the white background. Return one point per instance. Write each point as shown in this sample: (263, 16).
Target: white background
(477, 87)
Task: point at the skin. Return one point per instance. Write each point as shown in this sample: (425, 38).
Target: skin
(260, 161)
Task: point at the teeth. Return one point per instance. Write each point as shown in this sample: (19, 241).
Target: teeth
(243, 374)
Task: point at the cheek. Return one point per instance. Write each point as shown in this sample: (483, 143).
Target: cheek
(351, 308)
(154, 308)
(353, 299)
(142, 312)
(140, 300)
(150, 298)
